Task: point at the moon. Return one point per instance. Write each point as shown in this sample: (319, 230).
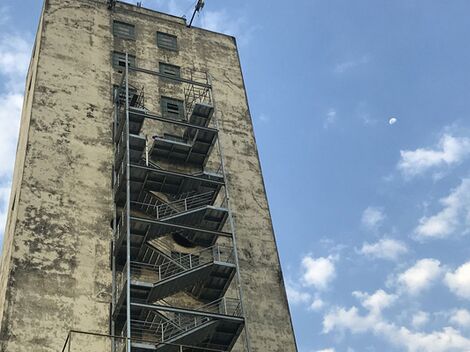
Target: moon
(392, 121)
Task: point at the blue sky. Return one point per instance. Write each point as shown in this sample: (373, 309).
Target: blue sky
(372, 218)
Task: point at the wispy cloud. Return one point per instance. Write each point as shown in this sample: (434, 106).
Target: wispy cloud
(460, 317)
(317, 304)
(296, 295)
(419, 319)
(373, 217)
(344, 66)
(9, 121)
(453, 216)
(264, 118)
(15, 52)
(330, 118)
(449, 151)
(4, 199)
(385, 248)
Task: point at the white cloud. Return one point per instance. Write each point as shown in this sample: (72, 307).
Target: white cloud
(372, 217)
(327, 350)
(350, 319)
(330, 118)
(461, 317)
(15, 52)
(446, 340)
(459, 281)
(376, 302)
(348, 65)
(419, 319)
(9, 122)
(455, 212)
(449, 151)
(318, 272)
(317, 305)
(297, 296)
(4, 199)
(385, 248)
(420, 276)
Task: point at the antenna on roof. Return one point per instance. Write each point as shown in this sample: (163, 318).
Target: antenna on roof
(139, 3)
(199, 7)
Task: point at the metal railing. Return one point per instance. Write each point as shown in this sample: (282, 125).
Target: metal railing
(81, 341)
(149, 273)
(158, 210)
(161, 326)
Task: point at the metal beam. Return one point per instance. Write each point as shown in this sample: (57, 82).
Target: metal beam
(189, 312)
(182, 80)
(177, 174)
(183, 227)
(174, 122)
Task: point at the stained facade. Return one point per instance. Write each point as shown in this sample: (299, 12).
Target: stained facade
(138, 206)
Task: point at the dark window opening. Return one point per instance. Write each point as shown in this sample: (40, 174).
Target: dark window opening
(172, 108)
(119, 60)
(167, 41)
(123, 30)
(170, 70)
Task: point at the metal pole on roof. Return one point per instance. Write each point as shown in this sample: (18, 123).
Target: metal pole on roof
(198, 8)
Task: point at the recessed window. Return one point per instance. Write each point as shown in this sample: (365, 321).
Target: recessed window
(119, 60)
(167, 41)
(170, 70)
(172, 108)
(123, 30)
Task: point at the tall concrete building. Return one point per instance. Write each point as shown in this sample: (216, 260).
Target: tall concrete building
(138, 216)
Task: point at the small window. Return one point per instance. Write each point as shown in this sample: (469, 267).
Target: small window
(123, 30)
(172, 108)
(167, 41)
(119, 60)
(170, 70)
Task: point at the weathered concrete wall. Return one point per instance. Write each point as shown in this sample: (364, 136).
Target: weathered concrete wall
(58, 270)
(55, 266)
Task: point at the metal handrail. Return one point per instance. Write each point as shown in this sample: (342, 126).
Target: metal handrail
(125, 341)
(169, 325)
(171, 208)
(155, 273)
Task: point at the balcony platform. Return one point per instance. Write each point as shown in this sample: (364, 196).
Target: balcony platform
(148, 178)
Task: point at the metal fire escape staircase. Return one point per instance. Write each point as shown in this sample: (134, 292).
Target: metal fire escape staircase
(169, 231)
